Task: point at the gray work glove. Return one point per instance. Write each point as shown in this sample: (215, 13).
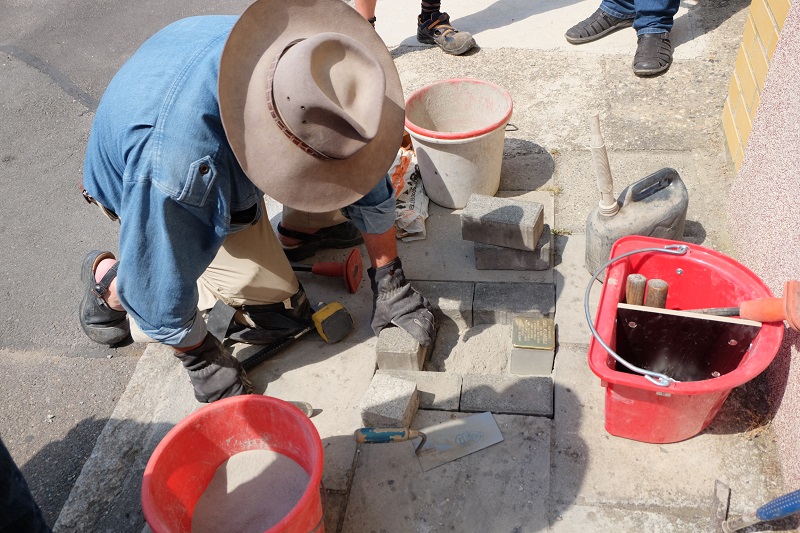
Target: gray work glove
(396, 302)
(214, 373)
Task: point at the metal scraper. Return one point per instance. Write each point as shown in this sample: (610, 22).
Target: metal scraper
(442, 443)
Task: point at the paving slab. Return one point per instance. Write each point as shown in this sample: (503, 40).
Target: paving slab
(500, 488)
(489, 257)
(572, 278)
(451, 301)
(397, 349)
(507, 394)
(499, 303)
(389, 402)
(505, 222)
(481, 350)
(440, 391)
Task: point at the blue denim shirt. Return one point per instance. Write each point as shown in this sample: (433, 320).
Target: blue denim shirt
(158, 157)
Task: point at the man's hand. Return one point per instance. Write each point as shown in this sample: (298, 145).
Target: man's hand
(214, 373)
(395, 301)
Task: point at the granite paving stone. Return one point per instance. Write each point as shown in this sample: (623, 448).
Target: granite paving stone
(440, 391)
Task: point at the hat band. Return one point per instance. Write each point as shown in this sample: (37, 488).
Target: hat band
(276, 116)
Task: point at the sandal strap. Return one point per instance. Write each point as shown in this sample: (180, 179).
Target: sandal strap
(101, 286)
(299, 235)
(442, 24)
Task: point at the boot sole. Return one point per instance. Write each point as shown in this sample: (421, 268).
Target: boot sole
(651, 72)
(627, 23)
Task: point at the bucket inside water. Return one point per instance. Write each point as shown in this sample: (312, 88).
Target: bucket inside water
(186, 460)
(457, 128)
(639, 409)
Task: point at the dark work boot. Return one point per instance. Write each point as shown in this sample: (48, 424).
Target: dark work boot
(214, 373)
(100, 323)
(653, 54)
(274, 321)
(438, 31)
(598, 25)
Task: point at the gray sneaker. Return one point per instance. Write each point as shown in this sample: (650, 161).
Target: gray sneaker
(438, 31)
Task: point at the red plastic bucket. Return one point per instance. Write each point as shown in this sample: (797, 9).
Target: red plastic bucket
(638, 409)
(186, 459)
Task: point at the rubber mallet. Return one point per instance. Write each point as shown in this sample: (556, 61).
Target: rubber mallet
(766, 309)
(350, 269)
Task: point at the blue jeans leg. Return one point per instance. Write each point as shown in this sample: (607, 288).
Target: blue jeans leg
(649, 16)
(18, 510)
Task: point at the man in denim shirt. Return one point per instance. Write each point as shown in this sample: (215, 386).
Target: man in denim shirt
(298, 100)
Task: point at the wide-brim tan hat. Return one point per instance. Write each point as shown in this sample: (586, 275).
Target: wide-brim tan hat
(266, 142)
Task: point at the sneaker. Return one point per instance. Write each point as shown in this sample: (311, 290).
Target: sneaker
(100, 323)
(598, 25)
(438, 31)
(653, 54)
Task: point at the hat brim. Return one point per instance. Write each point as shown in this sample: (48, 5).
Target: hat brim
(269, 158)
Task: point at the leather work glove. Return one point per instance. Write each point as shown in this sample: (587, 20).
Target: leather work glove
(395, 301)
(214, 373)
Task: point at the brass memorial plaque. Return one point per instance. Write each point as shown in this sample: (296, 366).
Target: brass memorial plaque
(537, 333)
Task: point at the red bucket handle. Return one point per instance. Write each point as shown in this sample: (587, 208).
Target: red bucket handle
(654, 377)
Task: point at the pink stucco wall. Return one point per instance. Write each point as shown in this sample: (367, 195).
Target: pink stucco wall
(764, 220)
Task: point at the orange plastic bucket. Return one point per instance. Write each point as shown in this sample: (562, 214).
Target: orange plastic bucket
(641, 409)
(186, 459)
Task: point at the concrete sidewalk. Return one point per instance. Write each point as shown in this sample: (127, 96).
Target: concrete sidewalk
(557, 472)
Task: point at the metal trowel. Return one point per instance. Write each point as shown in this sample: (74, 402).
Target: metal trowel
(780, 507)
(441, 443)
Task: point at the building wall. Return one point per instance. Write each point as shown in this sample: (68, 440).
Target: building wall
(763, 214)
(761, 33)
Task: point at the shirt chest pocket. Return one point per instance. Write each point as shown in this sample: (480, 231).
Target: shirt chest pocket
(199, 182)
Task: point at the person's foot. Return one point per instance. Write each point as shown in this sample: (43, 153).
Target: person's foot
(653, 54)
(100, 322)
(298, 245)
(437, 30)
(598, 25)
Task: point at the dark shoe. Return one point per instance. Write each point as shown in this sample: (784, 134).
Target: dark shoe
(100, 323)
(438, 31)
(273, 321)
(344, 235)
(596, 26)
(653, 54)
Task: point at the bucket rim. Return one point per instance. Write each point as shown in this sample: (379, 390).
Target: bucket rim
(459, 135)
(771, 333)
(149, 505)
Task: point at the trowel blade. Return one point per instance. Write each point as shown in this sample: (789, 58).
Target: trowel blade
(457, 438)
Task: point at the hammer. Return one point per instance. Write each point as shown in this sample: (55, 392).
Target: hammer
(350, 270)
(766, 309)
(332, 322)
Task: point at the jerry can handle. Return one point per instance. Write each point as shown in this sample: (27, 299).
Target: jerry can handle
(650, 185)
(654, 377)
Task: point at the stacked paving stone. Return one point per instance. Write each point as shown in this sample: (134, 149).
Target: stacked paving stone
(508, 234)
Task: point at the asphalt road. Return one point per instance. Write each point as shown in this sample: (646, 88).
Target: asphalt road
(58, 388)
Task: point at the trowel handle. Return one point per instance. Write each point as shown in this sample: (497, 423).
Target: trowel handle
(780, 507)
(382, 435)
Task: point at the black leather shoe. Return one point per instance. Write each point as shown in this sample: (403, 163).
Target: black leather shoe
(273, 321)
(598, 25)
(653, 54)
(100, 323)
(344, 235)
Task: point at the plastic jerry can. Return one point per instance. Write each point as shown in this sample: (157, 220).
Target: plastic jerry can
(654, 206)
